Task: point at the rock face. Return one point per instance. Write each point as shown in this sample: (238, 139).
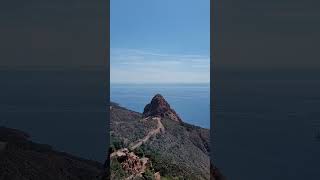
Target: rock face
(157, 176)
(130, 162)
(159, 107)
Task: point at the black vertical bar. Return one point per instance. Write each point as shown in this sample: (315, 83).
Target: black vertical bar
(106, 33)
(212, 101)
(215, 32)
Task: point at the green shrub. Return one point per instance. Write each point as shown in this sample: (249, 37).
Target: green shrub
(148, 175)
(139, 152)
(161, 164)
(116, 170)
(116, 143)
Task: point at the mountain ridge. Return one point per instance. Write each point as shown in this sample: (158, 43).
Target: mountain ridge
(177, 150)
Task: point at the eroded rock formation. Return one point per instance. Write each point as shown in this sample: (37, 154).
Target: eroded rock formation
(159, 107)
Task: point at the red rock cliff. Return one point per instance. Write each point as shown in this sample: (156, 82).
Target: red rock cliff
(159, 107)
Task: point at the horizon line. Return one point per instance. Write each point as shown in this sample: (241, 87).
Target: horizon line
(147, 83)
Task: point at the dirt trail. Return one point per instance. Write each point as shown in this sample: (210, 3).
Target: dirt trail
(144, 161)
(159, 129)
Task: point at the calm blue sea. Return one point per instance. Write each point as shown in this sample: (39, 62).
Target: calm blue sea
(190, 101)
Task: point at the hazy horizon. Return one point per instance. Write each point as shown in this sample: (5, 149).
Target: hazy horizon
(191, 102)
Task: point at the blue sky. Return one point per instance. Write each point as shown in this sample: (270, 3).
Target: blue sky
(160, 41)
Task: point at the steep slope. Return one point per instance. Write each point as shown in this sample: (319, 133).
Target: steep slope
(174, 149)
(22, 159)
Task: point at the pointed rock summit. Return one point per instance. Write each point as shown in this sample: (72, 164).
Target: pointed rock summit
(159, 107)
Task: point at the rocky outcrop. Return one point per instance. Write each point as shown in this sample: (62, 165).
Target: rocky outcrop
(159, 107)
(131, 163)
(157, 176)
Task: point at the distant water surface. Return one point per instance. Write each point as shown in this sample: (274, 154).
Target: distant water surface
(190, 101)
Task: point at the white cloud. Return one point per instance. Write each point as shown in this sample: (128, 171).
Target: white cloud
(145, 66)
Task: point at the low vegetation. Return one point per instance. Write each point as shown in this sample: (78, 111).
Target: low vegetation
(116, 169)
(180, 152)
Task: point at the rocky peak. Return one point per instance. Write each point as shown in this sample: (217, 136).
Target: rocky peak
(159, 107)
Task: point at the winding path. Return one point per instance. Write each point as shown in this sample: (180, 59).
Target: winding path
(159, 129)
(144, 161)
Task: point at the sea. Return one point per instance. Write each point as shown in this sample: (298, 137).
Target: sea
(190, 101)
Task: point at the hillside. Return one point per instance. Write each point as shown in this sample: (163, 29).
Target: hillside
(22, 159)
(157, 143)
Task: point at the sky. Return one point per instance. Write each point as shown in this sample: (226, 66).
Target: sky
(160, 41)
